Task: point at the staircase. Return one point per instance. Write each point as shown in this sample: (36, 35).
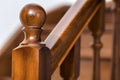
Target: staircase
(55, 53)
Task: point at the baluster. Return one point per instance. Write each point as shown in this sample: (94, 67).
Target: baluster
(69, 69)
(97, 28)
(31, 59)
(115, 73)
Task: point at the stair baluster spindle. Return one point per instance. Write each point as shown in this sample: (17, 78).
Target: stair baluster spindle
(97, 28)
(115, 66)
(70, 68)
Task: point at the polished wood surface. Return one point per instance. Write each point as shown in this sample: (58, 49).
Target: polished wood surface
(31, 44)
(97, 28)
(31, 59)
(18, 36)
(66, 32)
(70, 68)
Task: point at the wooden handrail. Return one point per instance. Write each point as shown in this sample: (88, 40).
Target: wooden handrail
(32, 59)
(68, 30)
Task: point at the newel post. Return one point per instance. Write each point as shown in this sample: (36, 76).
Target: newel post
(31, 59)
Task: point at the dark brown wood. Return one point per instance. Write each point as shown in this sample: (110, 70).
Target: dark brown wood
(65, 34)
(31, 59)
(117, 3)
(115, 73)
(97, 28)
(30, 54)
(18, 36)
(70, 67)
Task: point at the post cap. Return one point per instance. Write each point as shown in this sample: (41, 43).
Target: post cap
(32, 16)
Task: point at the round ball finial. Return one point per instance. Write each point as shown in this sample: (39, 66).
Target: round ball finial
(33, 16)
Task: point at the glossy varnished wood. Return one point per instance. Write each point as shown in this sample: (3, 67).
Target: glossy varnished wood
(70, 67)
(31, 59)
(66, 32)
(97, 27)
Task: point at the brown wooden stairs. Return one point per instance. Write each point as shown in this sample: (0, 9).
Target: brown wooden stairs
(36, 59)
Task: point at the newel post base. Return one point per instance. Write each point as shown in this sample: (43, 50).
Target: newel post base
(31, 63)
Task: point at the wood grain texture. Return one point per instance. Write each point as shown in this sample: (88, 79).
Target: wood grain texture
(73, 28)
(25, 62)
(31, 60)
